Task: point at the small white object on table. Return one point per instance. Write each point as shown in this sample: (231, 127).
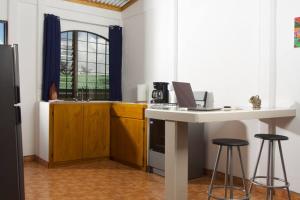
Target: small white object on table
(176, 147)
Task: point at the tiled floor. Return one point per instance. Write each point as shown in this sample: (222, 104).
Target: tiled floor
(103, 180)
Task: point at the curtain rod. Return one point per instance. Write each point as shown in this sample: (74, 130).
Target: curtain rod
(72, 20)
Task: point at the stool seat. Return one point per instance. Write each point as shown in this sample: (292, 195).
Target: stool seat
(230, 142)
(271, 137)
(270, 178)
(229, 187)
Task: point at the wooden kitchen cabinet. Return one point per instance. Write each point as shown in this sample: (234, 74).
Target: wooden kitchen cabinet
(67, 132)
(78, 131)
(96, 137)
(128, 134)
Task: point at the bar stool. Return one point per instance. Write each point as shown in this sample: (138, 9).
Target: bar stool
(270, 173)
(229, 143)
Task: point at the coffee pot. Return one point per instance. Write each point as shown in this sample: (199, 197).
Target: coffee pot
(160, 94)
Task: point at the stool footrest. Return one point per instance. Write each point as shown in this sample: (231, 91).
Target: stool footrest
(255, 182)
(235, 188)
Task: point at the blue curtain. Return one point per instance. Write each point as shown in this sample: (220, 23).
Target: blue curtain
(51, 54)
(115, 63)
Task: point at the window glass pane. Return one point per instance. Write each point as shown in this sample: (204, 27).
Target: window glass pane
(101, 68)
(70, 44)
(64, 36)
(67, 54)
(70, 35)
(101, 48)
(92, 78)
(82, 56)
(92, 38)
(82, 36)
(63, 44)
(101, 40)
(101, 58)
(92, 47)
(66, 44)
(101, 81)
(107, 59)
(81, 83)
(107, 81)
(107, 48)
(65, 65)
(92, 57)
(82, 67)
(82, 46)
(92, 68)
(91, 85)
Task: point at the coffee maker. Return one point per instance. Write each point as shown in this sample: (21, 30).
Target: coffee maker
(160, 94)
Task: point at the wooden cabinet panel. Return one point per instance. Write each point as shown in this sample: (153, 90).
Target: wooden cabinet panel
(67, 132)
(96, 139)
(128, 110)
(127, 140)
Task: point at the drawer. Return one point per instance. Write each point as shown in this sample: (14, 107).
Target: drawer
(135, 111)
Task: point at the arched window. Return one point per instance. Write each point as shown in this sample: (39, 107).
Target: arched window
(84, 66)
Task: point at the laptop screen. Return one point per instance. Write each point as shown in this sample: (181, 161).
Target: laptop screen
(184, 94)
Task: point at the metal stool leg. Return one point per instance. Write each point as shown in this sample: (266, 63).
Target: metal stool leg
(284, 171)
(214, 173)
(230, 160)
(256, 166)
(270, 172)
(243, 173)
(226, 173)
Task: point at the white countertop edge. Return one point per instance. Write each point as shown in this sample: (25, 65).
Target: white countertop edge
(214, 116)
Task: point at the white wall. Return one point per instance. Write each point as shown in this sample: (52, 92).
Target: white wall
(25, 18)
(225, 47)
(219, 51)
(3, 9)
(288, 93)
(230, 49)
(148, 45)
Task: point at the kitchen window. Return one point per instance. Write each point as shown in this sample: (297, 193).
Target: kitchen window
(3, 32)
(84, 69)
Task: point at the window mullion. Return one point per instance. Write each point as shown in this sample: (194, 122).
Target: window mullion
(96, 90)
(87, 64)
(105, 61)
(75, 64)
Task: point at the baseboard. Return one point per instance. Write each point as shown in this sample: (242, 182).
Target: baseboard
(282, 193)
(29, 158)
(81, 161)
(41, 161)
(144, 168)
(35, 158)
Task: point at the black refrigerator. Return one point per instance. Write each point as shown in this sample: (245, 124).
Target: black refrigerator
(11, 154)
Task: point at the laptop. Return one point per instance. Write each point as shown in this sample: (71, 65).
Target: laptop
(186, 99)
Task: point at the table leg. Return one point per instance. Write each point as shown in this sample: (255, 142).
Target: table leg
(176, 160)
(272, 130)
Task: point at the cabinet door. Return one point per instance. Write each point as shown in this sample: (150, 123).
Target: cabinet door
(127, 140)
(96, 137)
(67, 132)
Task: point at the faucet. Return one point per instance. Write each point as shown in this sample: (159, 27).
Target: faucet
(87, 91)
(82, 94)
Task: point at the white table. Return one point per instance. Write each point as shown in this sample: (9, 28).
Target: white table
(176, 147)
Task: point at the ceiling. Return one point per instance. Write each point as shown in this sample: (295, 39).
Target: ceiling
(116, 5)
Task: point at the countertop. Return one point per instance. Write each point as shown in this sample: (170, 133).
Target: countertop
(94, 102)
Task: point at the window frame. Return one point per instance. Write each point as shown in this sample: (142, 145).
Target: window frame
(5, 23)
(76, 91)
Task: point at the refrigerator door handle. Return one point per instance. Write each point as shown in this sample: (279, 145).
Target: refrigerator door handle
(16, 73)
(18, 115)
